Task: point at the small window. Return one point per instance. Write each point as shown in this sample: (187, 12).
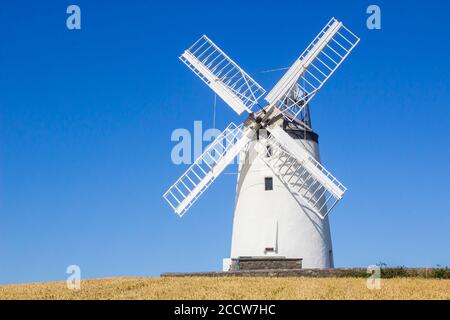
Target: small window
(268, 182)
(268, 151)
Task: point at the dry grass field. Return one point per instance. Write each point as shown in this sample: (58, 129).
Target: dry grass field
(232, 288)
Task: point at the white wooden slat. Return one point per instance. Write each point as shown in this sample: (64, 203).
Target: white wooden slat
(231, 83)
(233, 139)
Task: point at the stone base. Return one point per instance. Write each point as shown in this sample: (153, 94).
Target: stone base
(386, 273)
(265, 263)
(314, 273)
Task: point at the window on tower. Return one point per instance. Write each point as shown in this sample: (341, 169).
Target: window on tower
(268, 151)
(268, 183)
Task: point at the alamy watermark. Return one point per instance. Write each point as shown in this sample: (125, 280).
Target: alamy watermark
(374, 280)
(73, 21)
(73, 281)
(374, 20)
(190, 145)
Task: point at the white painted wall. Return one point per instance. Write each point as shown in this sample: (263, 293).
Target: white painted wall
(275, 218)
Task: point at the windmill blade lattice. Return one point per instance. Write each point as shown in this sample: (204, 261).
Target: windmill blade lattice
(199, 176)
(229, 81)
(303, 174)
(313, 68)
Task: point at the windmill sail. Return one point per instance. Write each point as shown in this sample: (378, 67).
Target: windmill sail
(222, 75)
(313, 68)
(303, 174)
(221, 152)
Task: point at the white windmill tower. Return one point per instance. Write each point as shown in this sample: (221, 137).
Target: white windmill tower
(284, 194)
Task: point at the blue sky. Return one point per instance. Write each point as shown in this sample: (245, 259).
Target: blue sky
(86, 118)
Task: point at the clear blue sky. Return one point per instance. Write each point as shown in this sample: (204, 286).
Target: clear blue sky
(86, 118)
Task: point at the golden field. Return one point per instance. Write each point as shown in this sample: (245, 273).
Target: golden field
(232, 288)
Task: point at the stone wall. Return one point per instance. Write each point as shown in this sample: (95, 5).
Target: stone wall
(425, 273)
(265, 263)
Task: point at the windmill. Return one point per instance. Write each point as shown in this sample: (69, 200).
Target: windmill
(284, 194)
